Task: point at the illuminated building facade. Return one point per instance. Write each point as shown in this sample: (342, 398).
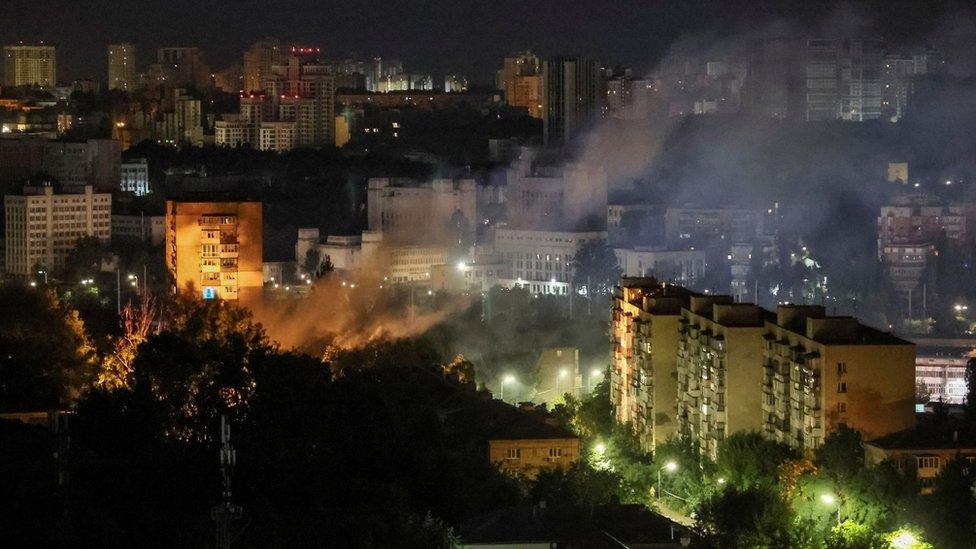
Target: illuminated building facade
(215, 248)
(718, 368)
(643, 382)
(521, 79)
(42, 227)
(122, 67)
(705, 367)
(821, 372)
(29, 66)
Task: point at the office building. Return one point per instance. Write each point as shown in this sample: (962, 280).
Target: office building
(843, 79)
(643, 375)
(29, 66)
(441, 211)
(95, 162)
(682, 267)
(821, 372)
(276, 136)
(214, 248)
(545, 196)
(541, 261)
(43, 227)
(134, 177)
(572, 98)
(122, 67)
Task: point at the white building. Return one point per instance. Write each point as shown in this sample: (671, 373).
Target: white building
(42, 228)
(276, 136)
(134, 177)
(233, 132)
(941, 373)
(418, 212)
(681, 267)
(541, 261)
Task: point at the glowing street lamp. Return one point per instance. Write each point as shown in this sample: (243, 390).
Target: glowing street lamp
(904, 540)
(670, 466)
(829, 500)
(507, 379)
(721, 481)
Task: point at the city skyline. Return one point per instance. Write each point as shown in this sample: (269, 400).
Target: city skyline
(446, 38)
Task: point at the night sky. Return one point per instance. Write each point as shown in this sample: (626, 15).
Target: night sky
(438, 36)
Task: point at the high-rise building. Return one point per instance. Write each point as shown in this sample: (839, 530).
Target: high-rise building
(822, 372)
(521, 79)
(718, 366)
(258, 60)
(643, 376)
(302, 90)
(181, 66)
(94, 162)
(572, 97)
(122, 67)
(795, 375)
(214, 247)
(43, 227)
(29, 66)
(843, 79)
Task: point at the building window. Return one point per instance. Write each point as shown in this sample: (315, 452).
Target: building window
(514, 453)
(841, 367)
(842, 387)
(555, 452)
(842, 407)
(928, 463)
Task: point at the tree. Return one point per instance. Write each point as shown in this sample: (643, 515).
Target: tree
(841, 456)
(46, 359)
(595, 266)
(853, 535)
(745, 517)
(85, 260)
(311, 262)
(116, 371)
(748, 459)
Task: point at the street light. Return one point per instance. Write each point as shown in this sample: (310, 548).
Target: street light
(721, 481)
(670, 466)
(830, 500)
(904, 540)
(507, 379)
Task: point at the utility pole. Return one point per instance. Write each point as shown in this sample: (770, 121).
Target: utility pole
(118, 291)
(226, 512)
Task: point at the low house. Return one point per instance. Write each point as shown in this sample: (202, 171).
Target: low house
(922, 451)
(526, 441)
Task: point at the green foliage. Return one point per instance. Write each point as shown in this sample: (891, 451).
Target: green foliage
(745, 517)
(853, 535)
(595, 266)
(950, 512)
(46, 360)
(841, 456)
(748, 459)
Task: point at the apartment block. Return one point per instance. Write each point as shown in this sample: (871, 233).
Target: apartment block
(43, 227)
(214, 247)
(643, 376)
(718, 368)
(821, 372)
